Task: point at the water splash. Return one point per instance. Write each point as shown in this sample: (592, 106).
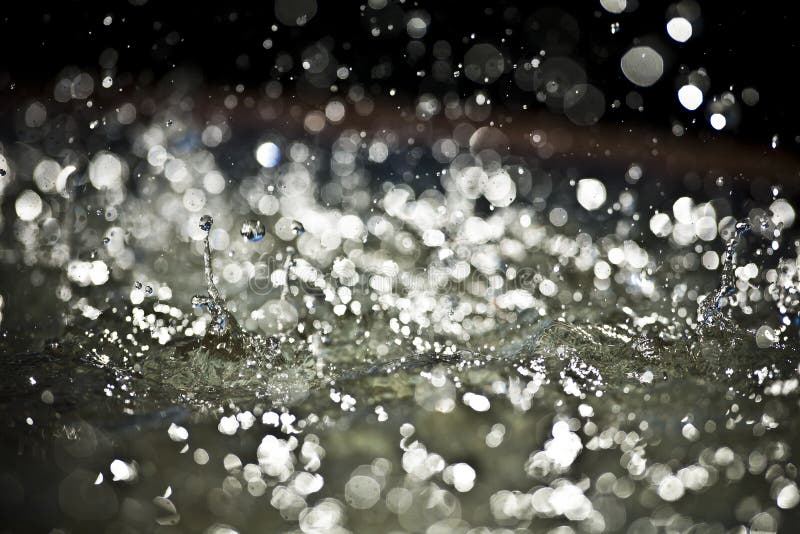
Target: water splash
(452, 278)
(710, 309)
(288, 264)
(213, 302)
(224, 331)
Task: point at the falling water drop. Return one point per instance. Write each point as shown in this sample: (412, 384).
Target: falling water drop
(253, 230)
(205, 223)
(774, 142)
(298, 228)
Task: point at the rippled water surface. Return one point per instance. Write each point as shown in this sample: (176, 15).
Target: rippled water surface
(482, 300)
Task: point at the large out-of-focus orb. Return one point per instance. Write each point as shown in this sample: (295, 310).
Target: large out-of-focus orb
(591, 193)
(584, 104)
(642, 65)
(268, 154)
(690, 96)
(295, 12)
(483, 63)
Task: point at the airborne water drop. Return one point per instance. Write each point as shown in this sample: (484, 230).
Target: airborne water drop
(253, 230)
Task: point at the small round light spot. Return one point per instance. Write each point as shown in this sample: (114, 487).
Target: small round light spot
(718, 121)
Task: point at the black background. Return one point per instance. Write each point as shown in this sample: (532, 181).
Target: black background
(740, 44)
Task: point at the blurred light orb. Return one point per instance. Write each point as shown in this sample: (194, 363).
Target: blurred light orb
(788, 497)
(584, 104)
(417, 27)
(483, 63)
(782, 212)
(105, 171)
(362, 492)
(378, 151)
(661, 225)
(614, 6)
(268, 154)
(45, 175)
(591, 193)
(766, 337)
(642, 65)
(214, 182)
(295, 12)
(499, 189)
(750, 96)
(690, 96)
(28, 205)
(335, 111)
(314, 122)
(718, 121)
(35, 115)
(679, 29)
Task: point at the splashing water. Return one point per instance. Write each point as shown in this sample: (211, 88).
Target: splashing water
(709, 311)
(420, 312)
(445, 313)
(222, 321)
(225, 332)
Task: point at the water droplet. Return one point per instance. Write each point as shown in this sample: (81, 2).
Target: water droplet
(298, 228)
(169, 123)
(742, 227)
(106, 240)
(774, 142)
(3, 172)
(148, 290)
(205, 223)
(137, 284)
(198, 301)
(253, 230)
(720, 181)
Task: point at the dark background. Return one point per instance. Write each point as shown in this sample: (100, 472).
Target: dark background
(740, 44)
